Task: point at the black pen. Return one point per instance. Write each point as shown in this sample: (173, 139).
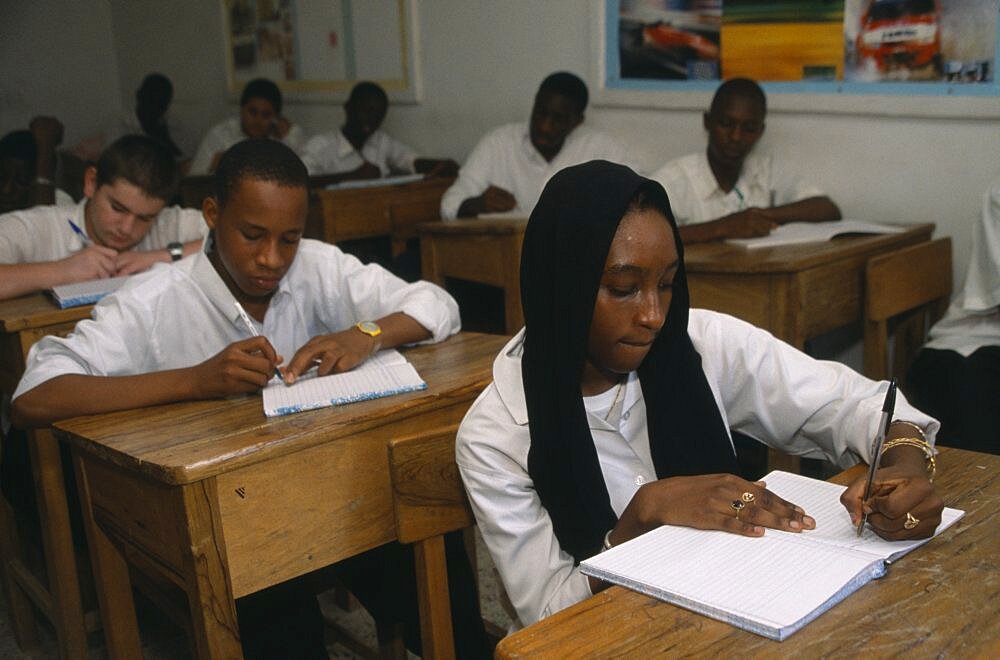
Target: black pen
(883, 428)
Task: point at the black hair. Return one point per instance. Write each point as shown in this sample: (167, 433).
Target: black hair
(738, 88)
(368, 89)
(151, 102)
(261, 159)
(142, 161)
(19, 145)
(262, 88)
(566, 84)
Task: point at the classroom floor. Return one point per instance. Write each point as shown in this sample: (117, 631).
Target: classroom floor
(163, 641)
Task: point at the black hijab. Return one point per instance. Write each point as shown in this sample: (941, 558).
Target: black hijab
(565, 247)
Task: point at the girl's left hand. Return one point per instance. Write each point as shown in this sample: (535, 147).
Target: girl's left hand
(903, 505)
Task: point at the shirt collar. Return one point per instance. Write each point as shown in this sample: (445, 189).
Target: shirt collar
(705, 184)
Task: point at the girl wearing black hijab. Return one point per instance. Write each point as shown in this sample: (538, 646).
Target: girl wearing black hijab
(609, 414)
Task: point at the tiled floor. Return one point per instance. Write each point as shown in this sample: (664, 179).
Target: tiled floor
(163, 641)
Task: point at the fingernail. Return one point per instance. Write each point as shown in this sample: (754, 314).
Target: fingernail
(809, 521)
(794, 524)
(799, 509)
(758, 530)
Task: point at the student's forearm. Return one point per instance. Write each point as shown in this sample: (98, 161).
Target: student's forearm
(74, 395)
(813, 209)
(702, 232)
(470, 208)
(22, 279)
(399, 329)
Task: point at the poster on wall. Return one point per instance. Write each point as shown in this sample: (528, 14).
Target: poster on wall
(309, 45)
(804, 41)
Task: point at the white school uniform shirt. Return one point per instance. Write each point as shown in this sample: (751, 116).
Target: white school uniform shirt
(179, 316)
(506, 158)
(695, 195)
(763, 388)
(227, 133)
(331, 153)
(43, 233)
(973, 318)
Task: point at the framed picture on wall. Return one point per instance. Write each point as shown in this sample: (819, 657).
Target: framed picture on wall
(321, 48)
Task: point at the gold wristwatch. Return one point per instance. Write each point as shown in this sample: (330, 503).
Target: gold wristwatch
(372, 329)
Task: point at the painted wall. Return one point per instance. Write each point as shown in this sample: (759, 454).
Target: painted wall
(481, 63)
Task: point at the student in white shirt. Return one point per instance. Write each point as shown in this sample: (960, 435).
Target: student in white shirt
(731, 191)
(956, 376)
(260, 117)
(610, 413)
(361, 150)
(123, 225)
(511, 164)
(175, 334)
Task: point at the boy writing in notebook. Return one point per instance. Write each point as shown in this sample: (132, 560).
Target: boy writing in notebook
(121, 227)
(176, 334)
(730, 190)
(360, 149)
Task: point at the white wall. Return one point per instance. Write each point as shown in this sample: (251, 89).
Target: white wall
(481, 63)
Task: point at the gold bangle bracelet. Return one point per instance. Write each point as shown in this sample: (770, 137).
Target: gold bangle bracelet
(922, 445)
(915, 427)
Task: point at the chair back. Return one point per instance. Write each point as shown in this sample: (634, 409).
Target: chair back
(906, 291)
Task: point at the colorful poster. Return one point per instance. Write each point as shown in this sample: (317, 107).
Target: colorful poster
(669, 39)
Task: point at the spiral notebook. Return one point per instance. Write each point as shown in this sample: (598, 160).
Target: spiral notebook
(771, 585)
(384, 374)
(85, 293)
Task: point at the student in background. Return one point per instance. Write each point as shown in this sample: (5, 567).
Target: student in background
(150, 117)
(956, 376)
(28, 166)
(120, 228)
(610, 413)
(511, 164)
(360, 149)
(174, 334)
(730, 191)
(260, 117)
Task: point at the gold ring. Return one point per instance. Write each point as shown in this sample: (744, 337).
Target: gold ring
(737, 506)
(748, 497)
(911, 521)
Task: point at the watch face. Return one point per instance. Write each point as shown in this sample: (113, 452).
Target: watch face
(370, 328)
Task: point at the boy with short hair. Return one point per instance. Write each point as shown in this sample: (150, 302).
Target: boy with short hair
(729, 191)
(260, 117)
(175, 334)
(120, 228)
(360, 149)
(511, 164)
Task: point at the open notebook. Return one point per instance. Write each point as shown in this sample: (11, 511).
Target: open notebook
(809, 232)
(376, 183)
(384, 374)
(85, 293)
(771, 585)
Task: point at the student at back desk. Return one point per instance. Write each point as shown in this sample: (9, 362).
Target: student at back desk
(176, 334)
(28, 166)
(729, 191)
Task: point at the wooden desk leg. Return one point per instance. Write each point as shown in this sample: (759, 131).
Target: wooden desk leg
(22, 611)
(114, 588)
(429, 267)
(433, 599)
(57, 543)
(210, 592)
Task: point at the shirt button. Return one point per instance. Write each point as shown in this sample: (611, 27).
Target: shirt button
(640, 480)
(625, 416)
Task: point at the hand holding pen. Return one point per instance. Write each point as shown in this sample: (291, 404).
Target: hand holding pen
(888, 407)
(253, 332)
(92, 262)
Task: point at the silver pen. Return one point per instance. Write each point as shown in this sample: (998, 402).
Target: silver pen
(883, 428)
(253, 331)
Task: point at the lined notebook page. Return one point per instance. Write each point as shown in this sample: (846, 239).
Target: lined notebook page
(85, 293)
(384, 374)
(768, 585)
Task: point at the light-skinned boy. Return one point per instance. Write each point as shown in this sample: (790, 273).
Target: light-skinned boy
(175, 334)
(121, 227)
(730, 190)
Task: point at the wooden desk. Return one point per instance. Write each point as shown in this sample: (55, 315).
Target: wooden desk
(793, 291)
(391, 210)
(483, 251)
(939, 600)
(222, 502)
(23, 321)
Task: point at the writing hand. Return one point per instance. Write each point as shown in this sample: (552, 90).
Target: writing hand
(243, 366)
(444, 168)
(896, 491)
(748, 223)
(335, 353)
(91, 263)
(365, 170)
(496, 200)
(135, 261)
(705, 502)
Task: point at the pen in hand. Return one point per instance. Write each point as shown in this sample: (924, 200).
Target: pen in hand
(883, 427)
(253, 331)
(79, 232)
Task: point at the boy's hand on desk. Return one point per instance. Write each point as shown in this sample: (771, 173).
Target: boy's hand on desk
(365, 170)
(91, 263)
(897, 490)
(336, 353)
(135, 261)
(706, 502)
(496, 200)
(243, 366)
(748, 223)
